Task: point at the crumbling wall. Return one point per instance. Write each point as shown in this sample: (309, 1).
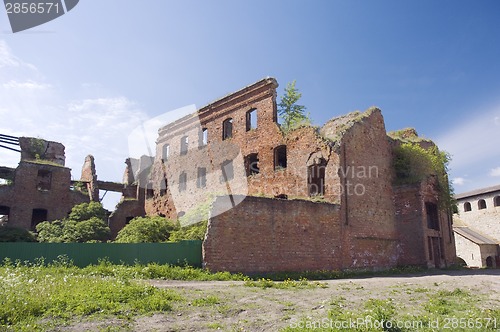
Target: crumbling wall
(366, 184)
(40, 149)
(273, 235)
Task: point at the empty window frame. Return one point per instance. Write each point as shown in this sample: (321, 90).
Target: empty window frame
(432, 216)
(252, 164)
(44, 180)
(316, 178)
(467, 207)
(166, 152)
(38, 216)
(203, 137)
(481, 204)
(4, 214)
(182, 181)
(251, 119)
(227, 171)
(280, 159)
(163, 187)
(496, 201)
(201, 181)
(184, 145)
(227, 129)
(149, 190)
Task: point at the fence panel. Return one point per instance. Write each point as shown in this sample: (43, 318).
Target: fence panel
(83, 254)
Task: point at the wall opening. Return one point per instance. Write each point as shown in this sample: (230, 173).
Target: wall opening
(38, 216)
(165, 152)
(163, 187)
(44, 180)
(128, 220)
(432, 216)
(227, 129)
(252, 164)
(201, 181)
(227, 171)
(203, 137)
(280, 159)
(316, 178)
(481, 204)
(251, 119)
(149, 190)
(496, 201)
(467, 207)
(182, 181)
(4, 214)
(489, 262)
(184, 145)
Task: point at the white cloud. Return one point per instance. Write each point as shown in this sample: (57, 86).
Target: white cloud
(31, 106)
(458, 181)
(473, 142)
(495, 172)
(497, 120)
(29, 84)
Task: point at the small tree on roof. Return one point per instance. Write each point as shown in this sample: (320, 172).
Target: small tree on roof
(293, 115)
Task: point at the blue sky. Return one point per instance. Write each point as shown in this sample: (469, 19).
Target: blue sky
(89, 77)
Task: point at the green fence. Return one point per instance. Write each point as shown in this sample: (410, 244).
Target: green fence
(83, 254)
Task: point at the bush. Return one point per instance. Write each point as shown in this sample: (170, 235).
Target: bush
(15, 234)
(86, 223)
(146, 229)
(193, 232)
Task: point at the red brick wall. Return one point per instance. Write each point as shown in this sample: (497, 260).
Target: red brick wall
(271, 235)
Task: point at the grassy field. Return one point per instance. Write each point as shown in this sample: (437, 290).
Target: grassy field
(108, 297)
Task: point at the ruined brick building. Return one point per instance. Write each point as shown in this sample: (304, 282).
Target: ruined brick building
(477, 227)
(314, 198)
(40, 188)
(310, 199)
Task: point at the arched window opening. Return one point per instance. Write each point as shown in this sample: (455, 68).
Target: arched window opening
(182, 181)
(227, 129)
(251, 119)
(203, 137)
(252, 164)
(481, 204)
(38, 216)
(166, 152)
(201, 181)
(184, 145)
(496, 201)
(4, 214)
(316, 178)
(44, 180)
(467, 207)
(432, 216)
(280, 158)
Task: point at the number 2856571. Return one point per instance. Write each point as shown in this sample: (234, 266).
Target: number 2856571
(32, 7)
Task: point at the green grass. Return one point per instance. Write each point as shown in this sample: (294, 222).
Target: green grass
(28, 295)
(286, 284)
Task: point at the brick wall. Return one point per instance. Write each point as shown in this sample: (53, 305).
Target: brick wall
(272, 235)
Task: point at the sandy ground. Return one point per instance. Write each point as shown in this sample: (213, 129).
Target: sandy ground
(241, 308)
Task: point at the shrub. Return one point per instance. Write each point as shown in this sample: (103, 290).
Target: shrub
(146, 229)
(15, 234)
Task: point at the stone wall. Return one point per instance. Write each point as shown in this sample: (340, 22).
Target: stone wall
(485, 221)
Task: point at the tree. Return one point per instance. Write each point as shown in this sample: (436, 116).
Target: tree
(85, 223)
(146, 229)
(293, 115)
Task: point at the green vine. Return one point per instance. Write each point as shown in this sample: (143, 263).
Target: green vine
(414, 164)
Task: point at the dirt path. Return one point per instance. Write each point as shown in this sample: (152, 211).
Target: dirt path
(231, 306)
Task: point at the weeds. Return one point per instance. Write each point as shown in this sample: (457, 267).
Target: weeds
(286, 284)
